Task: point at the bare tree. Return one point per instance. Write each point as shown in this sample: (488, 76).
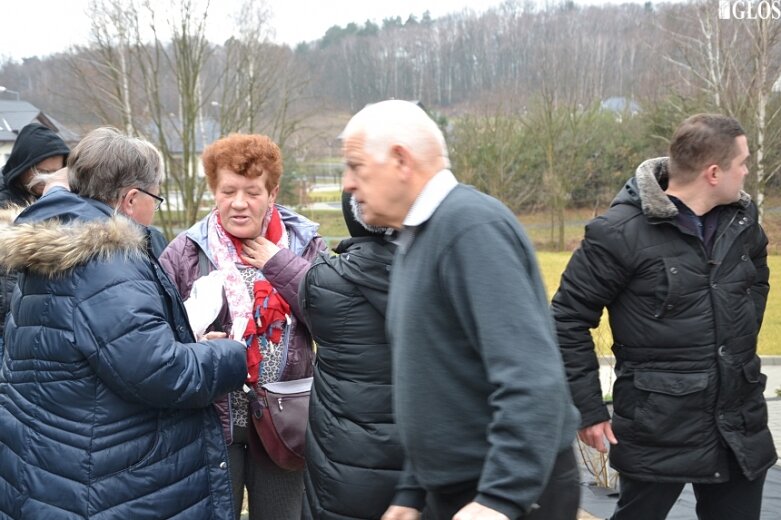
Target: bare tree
(103, 69)
(176, 116)
(261, 84)
(764, 36)
(736, 66)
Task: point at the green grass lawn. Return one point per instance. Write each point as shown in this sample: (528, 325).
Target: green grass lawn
(553, 264)
(332, 227)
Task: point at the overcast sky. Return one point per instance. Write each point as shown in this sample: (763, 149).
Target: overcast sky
(41, 27)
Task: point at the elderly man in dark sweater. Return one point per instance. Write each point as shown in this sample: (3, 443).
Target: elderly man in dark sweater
(480, 396)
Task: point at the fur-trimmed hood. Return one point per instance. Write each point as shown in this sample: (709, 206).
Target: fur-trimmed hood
(646, 189)
(54, 246)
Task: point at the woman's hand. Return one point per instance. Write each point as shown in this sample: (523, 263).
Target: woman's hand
(258, 251)
(213, 335)
(41, 183)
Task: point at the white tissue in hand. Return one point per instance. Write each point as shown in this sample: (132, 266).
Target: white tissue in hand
(239, 326)
(205, 301)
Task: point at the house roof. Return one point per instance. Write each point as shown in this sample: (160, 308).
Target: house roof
(620, 105)
(14, 115)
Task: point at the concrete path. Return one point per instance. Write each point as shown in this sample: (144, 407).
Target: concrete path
(771, 367)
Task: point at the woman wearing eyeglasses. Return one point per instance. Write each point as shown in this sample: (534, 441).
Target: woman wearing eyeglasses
(262, 251)
(105, 397)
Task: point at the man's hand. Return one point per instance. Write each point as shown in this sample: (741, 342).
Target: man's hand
(475, 511)
(596, 434)
(401, 513)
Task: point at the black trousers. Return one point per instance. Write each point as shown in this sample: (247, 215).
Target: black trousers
(736, 499)
(559, 500)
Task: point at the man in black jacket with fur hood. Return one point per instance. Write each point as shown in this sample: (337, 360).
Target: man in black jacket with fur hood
(679, 260)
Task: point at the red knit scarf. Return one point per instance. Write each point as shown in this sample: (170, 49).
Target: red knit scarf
(270, 310)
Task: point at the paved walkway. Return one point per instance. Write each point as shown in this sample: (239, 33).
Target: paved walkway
(771, 367)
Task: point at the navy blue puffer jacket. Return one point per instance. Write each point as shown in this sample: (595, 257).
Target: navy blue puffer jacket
(104, 395)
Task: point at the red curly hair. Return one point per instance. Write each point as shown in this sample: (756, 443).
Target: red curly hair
(246, 155)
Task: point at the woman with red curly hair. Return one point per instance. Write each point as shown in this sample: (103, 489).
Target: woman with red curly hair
(261, 250)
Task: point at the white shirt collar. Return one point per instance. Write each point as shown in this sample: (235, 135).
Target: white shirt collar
(430, 197)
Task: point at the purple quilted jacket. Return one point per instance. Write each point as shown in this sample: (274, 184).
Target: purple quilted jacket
(284, 271)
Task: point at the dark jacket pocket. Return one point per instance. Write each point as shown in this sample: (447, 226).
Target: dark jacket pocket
(754, 407)
(671, 383)
(752, 371)
(671, 408)
(670, 287)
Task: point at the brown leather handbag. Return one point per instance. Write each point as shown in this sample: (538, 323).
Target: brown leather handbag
(280, 412)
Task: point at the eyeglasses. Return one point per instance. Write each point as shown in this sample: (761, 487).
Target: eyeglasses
(158, 198)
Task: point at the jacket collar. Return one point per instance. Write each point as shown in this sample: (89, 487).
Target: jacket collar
(54, 238)
(650, 180)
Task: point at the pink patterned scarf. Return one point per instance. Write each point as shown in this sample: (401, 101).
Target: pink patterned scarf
(266, 313)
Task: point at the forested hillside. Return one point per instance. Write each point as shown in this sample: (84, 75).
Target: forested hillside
(547, 108)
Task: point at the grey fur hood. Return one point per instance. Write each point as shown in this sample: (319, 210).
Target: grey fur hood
(646, 189)
(52, 248)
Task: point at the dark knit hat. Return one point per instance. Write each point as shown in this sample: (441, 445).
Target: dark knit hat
(355, 225)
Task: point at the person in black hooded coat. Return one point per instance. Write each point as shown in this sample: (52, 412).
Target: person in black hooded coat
(37, 149)
(353, 454)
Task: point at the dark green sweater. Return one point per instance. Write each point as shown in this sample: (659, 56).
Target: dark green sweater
(480, 393)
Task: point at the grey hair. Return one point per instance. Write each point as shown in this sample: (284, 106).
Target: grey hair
(396, 122)
(106, 162)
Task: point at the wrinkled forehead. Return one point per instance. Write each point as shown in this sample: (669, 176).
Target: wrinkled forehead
(353, 145)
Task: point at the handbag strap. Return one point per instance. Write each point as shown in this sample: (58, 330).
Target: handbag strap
(256, 405)
(203, 263)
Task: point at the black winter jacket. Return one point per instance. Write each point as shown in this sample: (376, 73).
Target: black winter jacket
(684, 322)
(353, 453)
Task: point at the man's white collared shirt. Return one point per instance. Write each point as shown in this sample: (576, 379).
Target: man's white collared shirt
(427, 202)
